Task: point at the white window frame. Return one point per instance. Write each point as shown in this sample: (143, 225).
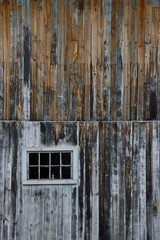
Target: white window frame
(74, 166)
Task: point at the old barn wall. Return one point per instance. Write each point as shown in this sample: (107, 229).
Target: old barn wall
(79, 60)
(82, 73)
(118, 194)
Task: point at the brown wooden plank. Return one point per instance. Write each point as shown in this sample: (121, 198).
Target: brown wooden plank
(148, 34)
(40, 59)
(1, 63)
(60, 82)
(67, 60)
(140, 59)
(93, 83)
(13, 61)
(33, 29)
(113, 109)
(100, 57)
(6, 45)
(154, 70)
(127, 16)
(87, 58)
(133, 59)
(47, 55)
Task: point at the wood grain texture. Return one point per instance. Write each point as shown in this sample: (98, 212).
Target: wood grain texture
(117, 195)
(81, 60)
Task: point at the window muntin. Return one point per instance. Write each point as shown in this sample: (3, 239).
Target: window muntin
(50, 165)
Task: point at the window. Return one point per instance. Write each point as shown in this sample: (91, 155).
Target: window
(53, 165)
(46, 166)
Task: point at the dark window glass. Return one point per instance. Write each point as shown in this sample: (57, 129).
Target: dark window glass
(55, 159)
(33, 158)
(44, 172)
(55, 172)
(44, 158)
(66, 172)
(66, 158)
(33, 173)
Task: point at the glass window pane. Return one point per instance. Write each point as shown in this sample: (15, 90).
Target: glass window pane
(66, 158)
(44, 158)
(44, 172)
(55, 172)
(66, 172)
(55, 159)
(33, 158)
(33, 173)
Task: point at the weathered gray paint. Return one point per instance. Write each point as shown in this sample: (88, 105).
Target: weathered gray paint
(118, 195)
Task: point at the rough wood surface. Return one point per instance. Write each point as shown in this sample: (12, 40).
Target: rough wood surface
(79, 60)
(117, 195)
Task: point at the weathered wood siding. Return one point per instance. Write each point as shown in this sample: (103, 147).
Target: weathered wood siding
(118, 195)
(79, 60)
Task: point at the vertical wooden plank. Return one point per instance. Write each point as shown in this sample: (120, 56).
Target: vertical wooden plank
(35, 218)
(1, 63)
(154, 72)
(40, 59)
(6, 45)
(95, 181)
(88, 182)
(155, 181)
(54, 212)
(108, 184)
(113, 108)
(80, 60)
(26, 61)
(141, 9)
(33, 22)
(100, 57)
(81, 190)
(120, 60)
(149, 179)
(114, 183)
(127, 20)
(128, 179)
(2, 136)
(107, 8)
(102, 174)
(93, 69)
(142, 181)
(87, 58)
(74, 216)
(60, 213)
(147, 61)
(67, 59)
(19, 72)
(47, 55)
(13, 59)
(121, 147)
(27, 211)
(133, 60)
(135, 182)
(54, 58)
(47, 213)
(67, 212)
(60, 82)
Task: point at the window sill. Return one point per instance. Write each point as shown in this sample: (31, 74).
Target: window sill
(50, 182)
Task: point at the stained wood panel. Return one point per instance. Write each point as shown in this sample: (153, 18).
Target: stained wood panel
(79, 60)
